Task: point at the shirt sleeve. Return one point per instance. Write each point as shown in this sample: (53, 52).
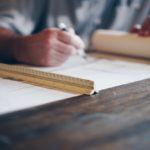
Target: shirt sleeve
(16, 15)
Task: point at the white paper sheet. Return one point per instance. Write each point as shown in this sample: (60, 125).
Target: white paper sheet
(17, 96)
(106, 73)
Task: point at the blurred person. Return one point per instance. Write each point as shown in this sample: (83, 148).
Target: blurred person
(29, 33)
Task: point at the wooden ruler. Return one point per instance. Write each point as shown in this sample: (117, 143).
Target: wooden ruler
(47, 80)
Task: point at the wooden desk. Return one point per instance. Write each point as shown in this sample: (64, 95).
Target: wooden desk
(117, 118)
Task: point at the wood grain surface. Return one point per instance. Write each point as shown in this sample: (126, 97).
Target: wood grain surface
(117, 118)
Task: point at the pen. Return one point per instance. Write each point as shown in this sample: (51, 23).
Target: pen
(79, 52)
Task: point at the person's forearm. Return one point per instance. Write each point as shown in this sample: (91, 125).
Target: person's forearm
(50, 47)
(6, 45)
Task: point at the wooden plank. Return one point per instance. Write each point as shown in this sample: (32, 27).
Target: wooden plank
(116, 118)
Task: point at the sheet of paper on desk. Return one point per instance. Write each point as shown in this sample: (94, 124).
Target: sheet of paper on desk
(106, 73)
(17, 96)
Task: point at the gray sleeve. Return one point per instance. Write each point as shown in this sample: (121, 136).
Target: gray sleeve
(16, 15)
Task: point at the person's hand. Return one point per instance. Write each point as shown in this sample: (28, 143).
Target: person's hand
(50, 47)
(144, 29)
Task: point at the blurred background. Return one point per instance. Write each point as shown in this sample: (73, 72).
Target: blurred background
(31, 16)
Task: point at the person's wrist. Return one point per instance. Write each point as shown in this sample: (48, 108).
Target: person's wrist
(14, 48)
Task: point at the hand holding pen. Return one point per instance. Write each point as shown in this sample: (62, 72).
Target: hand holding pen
(80, 52)
(50, 47)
